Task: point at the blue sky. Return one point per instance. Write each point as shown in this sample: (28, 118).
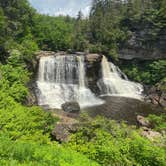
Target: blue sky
(63, 7)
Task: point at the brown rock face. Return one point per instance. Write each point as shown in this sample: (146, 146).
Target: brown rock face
(92, 58)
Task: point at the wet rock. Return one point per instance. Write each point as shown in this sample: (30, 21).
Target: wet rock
(142, 121)
(71, 107)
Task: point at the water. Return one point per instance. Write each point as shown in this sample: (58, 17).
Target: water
(123, 109)
(116, 83)
(62, 79)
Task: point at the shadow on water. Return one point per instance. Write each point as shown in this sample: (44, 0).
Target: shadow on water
(123, 109)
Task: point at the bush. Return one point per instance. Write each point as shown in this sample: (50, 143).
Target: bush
(32, 153)
(148, 72)
(110, 143)
(158, 122)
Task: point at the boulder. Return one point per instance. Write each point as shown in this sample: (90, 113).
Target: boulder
(65, 127)
(92, 58)
(62, 131)
(71, 107)
(150, 134)
(142, 121)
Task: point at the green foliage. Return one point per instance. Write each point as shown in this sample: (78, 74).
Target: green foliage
(146, 72)
(25, 123)
(17, 121)
(14, 78)
(113, 54)
(29, 47)
(53, 33)
(25, 131)
(110, 143)
(158, 122)
(162, 84)
(31, 153)
(112, 23)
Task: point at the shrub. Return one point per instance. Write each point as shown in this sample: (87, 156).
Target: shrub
(110, 143)
(32, 153)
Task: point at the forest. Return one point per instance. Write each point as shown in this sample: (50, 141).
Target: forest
(112, 27)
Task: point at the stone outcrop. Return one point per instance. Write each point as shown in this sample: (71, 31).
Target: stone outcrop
(93, 64)
(62, 131)
(146, 130)
(150, 134)
(90, 58)
(140, 53)
(93, 58)
(49, 53)
(65, 127)
(135, 47)
(71, 107)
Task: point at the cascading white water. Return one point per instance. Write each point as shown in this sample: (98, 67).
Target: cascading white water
(115, 83)
(62, 79)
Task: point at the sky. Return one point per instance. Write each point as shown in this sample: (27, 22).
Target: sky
(62, 7)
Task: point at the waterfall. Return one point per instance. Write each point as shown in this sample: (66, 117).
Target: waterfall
(116, 83)
(62, 79)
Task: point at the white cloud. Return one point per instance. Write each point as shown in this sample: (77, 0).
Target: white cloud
(62, 7)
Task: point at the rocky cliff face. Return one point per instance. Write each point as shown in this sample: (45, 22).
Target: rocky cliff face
(141, 45)
(93, 62)
(140, 53)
